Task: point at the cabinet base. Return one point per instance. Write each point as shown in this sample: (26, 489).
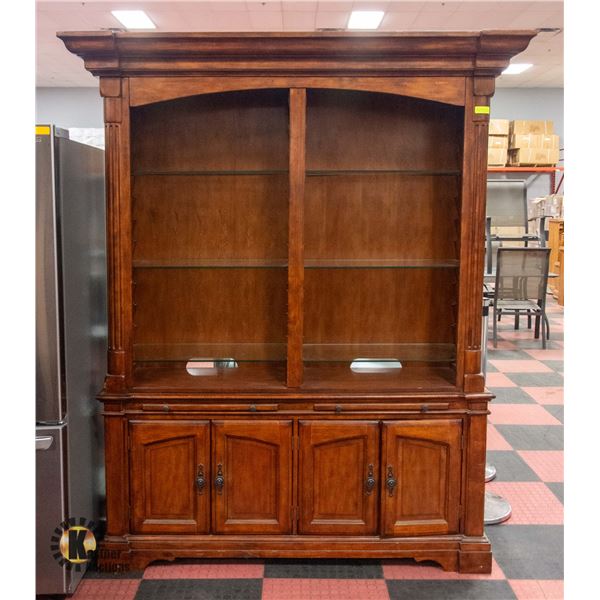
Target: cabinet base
(453, 553)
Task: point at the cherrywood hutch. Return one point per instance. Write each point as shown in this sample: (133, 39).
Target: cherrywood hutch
(296, 241)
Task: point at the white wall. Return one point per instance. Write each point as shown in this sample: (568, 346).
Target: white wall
(69, 107)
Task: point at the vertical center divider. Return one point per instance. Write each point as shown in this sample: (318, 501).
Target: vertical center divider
(297, 167)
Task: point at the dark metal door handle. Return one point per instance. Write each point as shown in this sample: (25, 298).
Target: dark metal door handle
(370, 481)
(200, 480)
(390, 482)
(219, 479)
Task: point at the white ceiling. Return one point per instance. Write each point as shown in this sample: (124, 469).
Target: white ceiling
(56, 67)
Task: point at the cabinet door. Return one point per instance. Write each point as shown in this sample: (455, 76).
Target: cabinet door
(170, 478)
(339, 469)
(420, 476)
(252, 476)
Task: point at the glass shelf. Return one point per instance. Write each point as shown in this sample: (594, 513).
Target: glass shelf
(216, 172)
(183, 352)
(219, 263)
(380, 263)
(424, 172)
(404, 352)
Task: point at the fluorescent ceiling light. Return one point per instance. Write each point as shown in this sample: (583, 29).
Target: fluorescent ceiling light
(516, 68)
(133, 19)
(365, 19)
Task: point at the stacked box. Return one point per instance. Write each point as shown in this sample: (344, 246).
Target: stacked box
(533, 143)
(498, 142)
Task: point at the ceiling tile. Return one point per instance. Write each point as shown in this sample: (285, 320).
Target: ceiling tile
(397, 21)
(299, 21)
(266, 21)
(332, 20)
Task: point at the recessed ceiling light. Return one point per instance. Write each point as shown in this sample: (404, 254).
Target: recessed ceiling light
(365, 19)
(133, 19)
(516, 68)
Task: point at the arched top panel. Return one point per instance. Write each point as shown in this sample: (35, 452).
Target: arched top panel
(148, 90)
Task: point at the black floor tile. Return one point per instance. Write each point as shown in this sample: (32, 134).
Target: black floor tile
(200, 589)
(533, 344)
(528, 551)
(490, 368)
(536, 379)
(558, 489)
(512, 395)
(449, 590)
(555, 365)
(510, 466)
(533, 437)
(557, 410)
(324, 569)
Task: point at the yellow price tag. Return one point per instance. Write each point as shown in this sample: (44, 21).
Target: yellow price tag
(482, 110)
(42, 130)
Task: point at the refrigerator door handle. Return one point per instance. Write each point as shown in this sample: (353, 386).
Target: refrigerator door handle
(43, 442)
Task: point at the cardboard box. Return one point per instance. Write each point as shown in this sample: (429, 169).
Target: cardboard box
(541, 157)
(498, 141)
(499, 127)
(497, 157)
(525, 127)
(534, 140)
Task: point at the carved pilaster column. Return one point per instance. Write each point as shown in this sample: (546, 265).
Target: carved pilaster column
(118, 230)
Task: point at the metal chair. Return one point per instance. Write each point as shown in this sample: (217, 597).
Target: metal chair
(506, 218)
(521, 287)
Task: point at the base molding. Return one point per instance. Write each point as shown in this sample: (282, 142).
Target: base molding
(452, 553)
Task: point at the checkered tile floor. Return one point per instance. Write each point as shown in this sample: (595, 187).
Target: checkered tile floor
(525, 443)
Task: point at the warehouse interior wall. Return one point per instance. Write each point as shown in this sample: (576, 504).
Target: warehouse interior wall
(82, 107)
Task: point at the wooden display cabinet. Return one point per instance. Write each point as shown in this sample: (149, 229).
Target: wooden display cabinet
(295, 239)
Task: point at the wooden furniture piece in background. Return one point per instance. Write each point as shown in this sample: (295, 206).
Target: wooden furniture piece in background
(556, 241)
(290, 216)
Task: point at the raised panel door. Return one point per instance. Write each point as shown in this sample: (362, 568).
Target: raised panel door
(339, 472)
(252, 476)
(170, 475)
(420, 473)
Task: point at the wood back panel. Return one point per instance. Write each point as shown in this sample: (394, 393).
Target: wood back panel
(211, 217)
(210, 305)
(360, 130)
(381, 216)
(229, 131)
(379, 305)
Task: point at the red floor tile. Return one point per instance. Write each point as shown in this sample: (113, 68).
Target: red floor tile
(546, 395)
(521, 414)
(324, 589)
(498, 380)
(495, 441)
(103, 589)
(205, 571)
(547, 464)
(529, 589)
(520, 366)
(547, 354)
(532, 502)
(391, 570)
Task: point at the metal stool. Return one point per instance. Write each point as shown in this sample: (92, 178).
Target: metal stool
(496, 508)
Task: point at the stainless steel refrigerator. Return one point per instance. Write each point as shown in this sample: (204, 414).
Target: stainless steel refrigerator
(70, 343)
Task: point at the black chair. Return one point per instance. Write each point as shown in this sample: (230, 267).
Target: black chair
(521, 287)
(506, 218)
